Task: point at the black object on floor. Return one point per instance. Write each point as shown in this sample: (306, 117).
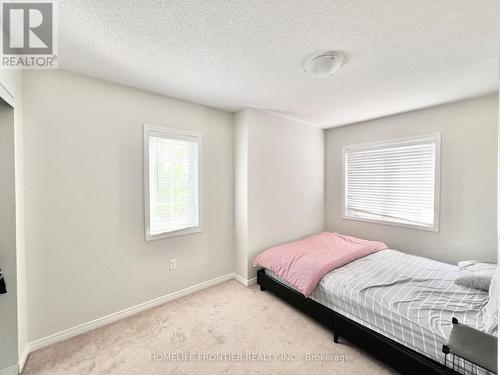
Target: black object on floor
(3, 289)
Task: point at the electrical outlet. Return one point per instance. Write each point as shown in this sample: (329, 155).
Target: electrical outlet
(173, 264)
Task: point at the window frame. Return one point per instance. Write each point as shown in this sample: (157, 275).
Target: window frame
(171, 134)
(436, 138)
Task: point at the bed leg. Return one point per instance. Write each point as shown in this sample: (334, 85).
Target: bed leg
(262, 289)
(335, 332)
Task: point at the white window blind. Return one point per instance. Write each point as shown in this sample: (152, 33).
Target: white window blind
(394, 182)
(172, 161)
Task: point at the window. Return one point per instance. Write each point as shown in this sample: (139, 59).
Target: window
(172, 165)
(394, 182)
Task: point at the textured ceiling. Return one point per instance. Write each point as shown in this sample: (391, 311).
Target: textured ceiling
(402, 55)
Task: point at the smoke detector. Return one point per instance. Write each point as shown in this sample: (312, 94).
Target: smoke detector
(324, 64)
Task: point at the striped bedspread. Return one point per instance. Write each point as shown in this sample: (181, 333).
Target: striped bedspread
(406, 298)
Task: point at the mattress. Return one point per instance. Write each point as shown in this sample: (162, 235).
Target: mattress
(406, 298)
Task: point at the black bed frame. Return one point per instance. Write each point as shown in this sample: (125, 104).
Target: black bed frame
(399, 357)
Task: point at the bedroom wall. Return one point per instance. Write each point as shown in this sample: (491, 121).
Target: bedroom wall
(11, 92)
(468, 226)
(22, 313)
(283, 182)
(241, 193)
(8, 301)
(86, 254)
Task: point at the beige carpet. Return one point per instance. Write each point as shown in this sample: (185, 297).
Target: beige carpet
(224, 329)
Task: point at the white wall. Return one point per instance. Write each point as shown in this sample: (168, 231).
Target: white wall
(241, 193)
(468, 226)
(284, 177)
(8, 302)
(86, 254)
(22, 312)
(11, 92)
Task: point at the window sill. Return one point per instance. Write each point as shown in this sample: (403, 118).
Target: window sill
(181, 232)
(434, 228)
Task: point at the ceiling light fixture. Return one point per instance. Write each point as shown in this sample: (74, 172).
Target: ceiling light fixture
(324, 64)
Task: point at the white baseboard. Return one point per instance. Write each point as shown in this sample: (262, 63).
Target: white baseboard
(23, 357)
(85, 327)
(242, 280)
(12, 370)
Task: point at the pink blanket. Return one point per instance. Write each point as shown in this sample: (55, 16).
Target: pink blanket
(303, 263)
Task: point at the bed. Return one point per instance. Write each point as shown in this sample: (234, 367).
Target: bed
(395, 305)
